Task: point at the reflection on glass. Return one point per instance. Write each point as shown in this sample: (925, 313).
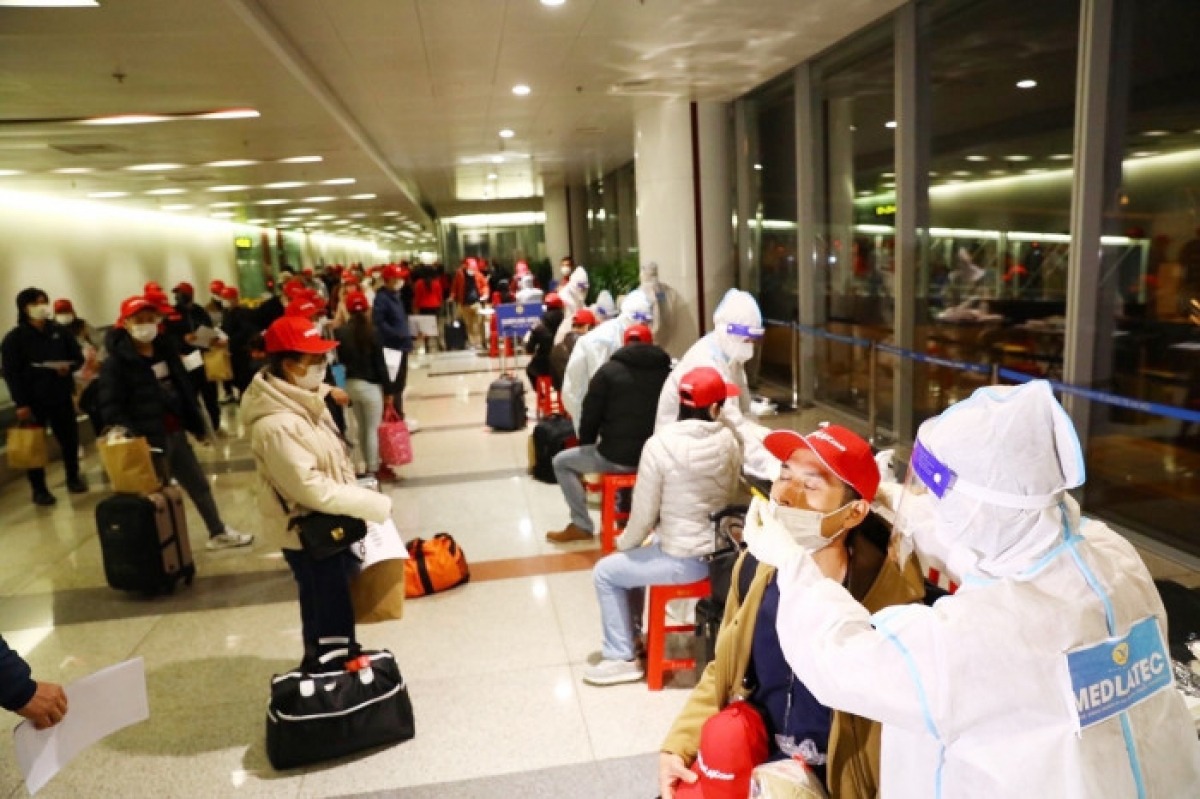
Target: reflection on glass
(612, 217)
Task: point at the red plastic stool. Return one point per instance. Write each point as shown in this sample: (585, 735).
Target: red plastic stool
(610, 484)
(940, 580)
(548, 402)
(657, 629)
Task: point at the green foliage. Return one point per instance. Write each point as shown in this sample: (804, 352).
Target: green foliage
(618, 277)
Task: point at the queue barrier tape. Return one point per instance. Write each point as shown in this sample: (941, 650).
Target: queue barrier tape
(1154, 408)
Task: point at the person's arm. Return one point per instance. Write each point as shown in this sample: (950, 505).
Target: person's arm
(647, 496)
(17, 686)
(16, 370)
(114, 405)
(591, 414)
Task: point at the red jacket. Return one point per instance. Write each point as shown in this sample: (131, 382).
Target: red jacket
(427, 294)
(458, 289)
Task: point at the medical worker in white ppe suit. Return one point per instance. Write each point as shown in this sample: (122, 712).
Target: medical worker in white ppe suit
(573, 293)
(1047, 674)
(737, 326)
(596, 347)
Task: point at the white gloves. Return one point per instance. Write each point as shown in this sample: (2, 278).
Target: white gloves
(766, 537)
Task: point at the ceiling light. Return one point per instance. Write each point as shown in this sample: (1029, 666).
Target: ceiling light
(49, 3)
(521, 90)
(1142, 154)
(392, 213)
(231, 113)
(553, 3)
(286, 184)
(978, 158)
(234, 162)
(338, 182)
(154, 167)
(272, 202)
(256, 221)
(74, 170)
(758, 167)
(497, 159)
(223, 205)
(359, 216)
(1156, 133)
(962, 173)
(177, 207)
(997, 172)
(1061, 157)
(507, 133)
(1018, 158)
(125, 119)
(362, 197)
(8, 173)
(1027, 83)
(302, 159)
(326, 217)
(228, 188)
(107, 195)
(319, 199)
(890, 174)
(304, 210)
(492, 176)
(891, 124)
(222, 215)
(165, 192)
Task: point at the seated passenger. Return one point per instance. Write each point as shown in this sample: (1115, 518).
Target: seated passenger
(617, 418)
(688, 470)
(826, 484)
(539, 341)
(582, 321)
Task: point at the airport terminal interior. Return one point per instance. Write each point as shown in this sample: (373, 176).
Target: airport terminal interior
(924, 197)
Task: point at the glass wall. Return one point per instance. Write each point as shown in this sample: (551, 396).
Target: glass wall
(1144, 468)
(854, 92)
(612, 218)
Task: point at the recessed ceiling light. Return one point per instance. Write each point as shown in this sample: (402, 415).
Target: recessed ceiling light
(553, 3)
(497, 159)
(74, 170)
(154, 167)
(326, 217)
(223, 205)
(231, 113)
(520, 90)
(1061, 157)
(272, 202)
(108, 195)
(302, 159)
(125, 119)
(978, 158)
(338, 182)
(49, 3)
(506, 133)
(177, 207)
(8, 173)
(231, 163)
(286, 184)
(891, 123)
(962, 173)
(319, 199)
(1027, 83)
(392, 213)
(1018, 158)
(228, 188)
(165, 192)
(358, 216)
(255, 221)
(492, 176)
(1156, 133)
(890, 174)
(362, 197)
(758, 167)
(304, 210)
(997, 172)
(933, 174)
(222, 215)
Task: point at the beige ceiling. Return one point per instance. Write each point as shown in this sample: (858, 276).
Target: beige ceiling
(404, 96)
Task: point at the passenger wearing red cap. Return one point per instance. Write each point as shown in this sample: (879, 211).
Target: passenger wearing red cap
(303, 467)
(539, 341)
(146, 391)
(581, 322)
(38, 357)
(214, 308)
(826, 483)
(391, 323)
(239, 324)
(190, 318)
(469, 290)
(361, 353)
(687, 471)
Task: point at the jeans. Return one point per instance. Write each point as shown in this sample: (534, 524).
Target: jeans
(366, 401)
(60, 418)
(570, 466)
(620, 578)
(326, 611)
(183, 466)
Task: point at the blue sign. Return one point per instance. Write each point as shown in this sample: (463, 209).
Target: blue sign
(516, 319)
(1112, 676)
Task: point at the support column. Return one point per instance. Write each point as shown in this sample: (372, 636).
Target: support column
(685, 209)
(577, 202)
(558, 224)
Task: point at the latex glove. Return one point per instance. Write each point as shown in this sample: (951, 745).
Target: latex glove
(766, 538)
(885, 460)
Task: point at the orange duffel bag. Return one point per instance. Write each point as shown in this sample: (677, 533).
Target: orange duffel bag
(435, 564)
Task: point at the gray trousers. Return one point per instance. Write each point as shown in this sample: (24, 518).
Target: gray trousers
(182, 465)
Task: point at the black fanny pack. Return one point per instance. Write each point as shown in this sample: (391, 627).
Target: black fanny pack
(324, 535)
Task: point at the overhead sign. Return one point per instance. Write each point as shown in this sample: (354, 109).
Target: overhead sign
(516, 319)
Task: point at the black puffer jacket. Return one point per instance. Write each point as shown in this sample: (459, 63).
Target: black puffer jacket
(36, 386)
(622, 400)
(132, 397)
(16, 685)
(541, 341)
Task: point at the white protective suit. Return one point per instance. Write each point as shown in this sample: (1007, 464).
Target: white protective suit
(605, 307)
(574, 297)
(528, 294)
(985, 694)
(728, 355)
(595, 348)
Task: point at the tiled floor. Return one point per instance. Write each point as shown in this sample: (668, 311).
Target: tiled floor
(493, 667)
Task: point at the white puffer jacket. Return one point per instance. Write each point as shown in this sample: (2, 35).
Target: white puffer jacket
(300, 456)
(688, 470)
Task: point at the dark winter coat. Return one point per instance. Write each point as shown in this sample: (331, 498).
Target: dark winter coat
(541, 341)
(36, 386)
(621, 401)
(16, 683)
(132, 397)
(361, 364)
(391, 321)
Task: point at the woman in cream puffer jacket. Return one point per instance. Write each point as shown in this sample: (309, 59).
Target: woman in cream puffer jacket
(303, 466)
(687, 470)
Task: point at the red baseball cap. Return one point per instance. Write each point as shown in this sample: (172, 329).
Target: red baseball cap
(293, 288)
(553, 300)
(393, 272)
(63, 306)
(357, 301)
(640, 333)
(308, 271)
(151, 287)
(135, 305)
(583, 316)
(159, 298)
(302, 307)
(732, 743)
(296, 334)
(216, 286)
(184, 288)
(704, 386)
(843, 452)
(350, 278)
(229, 293)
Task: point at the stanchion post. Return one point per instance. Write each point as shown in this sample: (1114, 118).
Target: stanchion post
(872, 395)
(795, 366)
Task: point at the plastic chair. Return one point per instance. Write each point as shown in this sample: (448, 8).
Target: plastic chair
(610, 484)
(657, 662)
(548, 402)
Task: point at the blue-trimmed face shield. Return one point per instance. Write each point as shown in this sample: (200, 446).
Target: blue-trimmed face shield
(751, 333)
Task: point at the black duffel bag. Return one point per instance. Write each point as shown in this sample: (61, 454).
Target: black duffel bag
(317, 717)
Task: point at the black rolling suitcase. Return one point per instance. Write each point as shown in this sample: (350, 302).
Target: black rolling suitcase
(144, 541)
(455, 334)
(506, 404)
(316, 717)
(550, 436)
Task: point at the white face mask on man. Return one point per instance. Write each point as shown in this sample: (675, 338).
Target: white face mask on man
(804, 525)
(40, 312)
(64, 319)
(144, 333)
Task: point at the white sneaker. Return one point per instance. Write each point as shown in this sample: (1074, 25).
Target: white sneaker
(412, 424)
(229, 539)
(614, 672)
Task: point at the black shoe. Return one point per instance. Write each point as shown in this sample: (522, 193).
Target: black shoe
(77, 485)
(43, 498)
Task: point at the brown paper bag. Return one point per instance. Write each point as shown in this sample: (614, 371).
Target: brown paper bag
(378, 592)
(218, 367)
(27, 447)
(129, 465)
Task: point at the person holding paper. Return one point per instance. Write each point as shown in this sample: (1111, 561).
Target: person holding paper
(38, 357)
(43, 703)
(391, 320)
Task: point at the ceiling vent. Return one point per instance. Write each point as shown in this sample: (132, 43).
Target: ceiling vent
(88, 149)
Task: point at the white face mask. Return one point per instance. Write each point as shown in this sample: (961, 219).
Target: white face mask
(144, 333)
(40, 312)
(805, 525)
(64, 319)
(312, 378)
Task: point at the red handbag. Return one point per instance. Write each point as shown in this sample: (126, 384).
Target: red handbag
(395, 445)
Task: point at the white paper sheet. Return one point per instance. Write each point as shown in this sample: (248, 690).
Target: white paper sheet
(97, 706)
(204, 337)
(383, 542)
(193, 360)
(392, 359)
